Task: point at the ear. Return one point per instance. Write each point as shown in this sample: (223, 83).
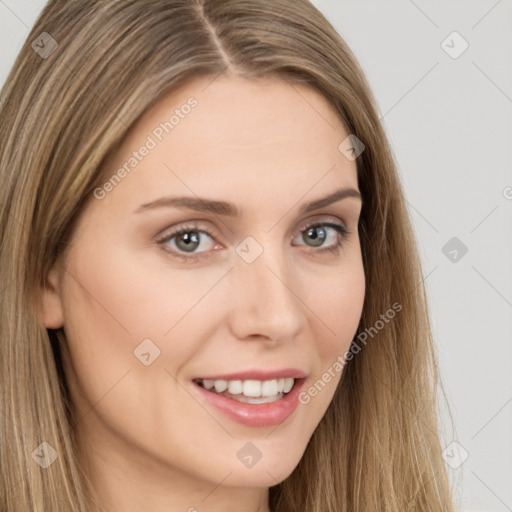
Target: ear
(53, 315)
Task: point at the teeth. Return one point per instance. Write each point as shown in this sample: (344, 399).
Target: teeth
(250, 388)
(257, 400)
(221, 385)
(287, 385)
(208, 384)
(269, 388)
(235, 387)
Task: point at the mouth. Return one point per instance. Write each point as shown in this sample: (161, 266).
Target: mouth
(251, 402)
(249, 391)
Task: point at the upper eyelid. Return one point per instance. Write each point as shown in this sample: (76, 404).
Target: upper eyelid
(324, 220)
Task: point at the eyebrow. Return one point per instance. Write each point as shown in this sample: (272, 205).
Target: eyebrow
(229, 209)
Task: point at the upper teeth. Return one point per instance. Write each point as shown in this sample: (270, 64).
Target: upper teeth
(252, 388)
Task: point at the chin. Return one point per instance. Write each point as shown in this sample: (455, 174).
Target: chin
(258, 478)
(269, 470)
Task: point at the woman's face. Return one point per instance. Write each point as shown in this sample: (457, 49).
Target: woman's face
(255, 296)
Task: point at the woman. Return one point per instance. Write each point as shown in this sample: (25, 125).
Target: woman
(285, 365)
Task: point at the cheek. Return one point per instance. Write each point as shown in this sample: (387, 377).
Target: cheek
(98, 335)
(339, 304)
(114, 301)
(138, 294)
(111, 304)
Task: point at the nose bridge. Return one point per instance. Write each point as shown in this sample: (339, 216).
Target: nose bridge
(265, 303)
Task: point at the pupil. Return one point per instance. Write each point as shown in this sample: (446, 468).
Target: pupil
(318, 240)
(189, 240)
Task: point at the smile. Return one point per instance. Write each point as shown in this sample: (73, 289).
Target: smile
(249, 391)
(251, 402)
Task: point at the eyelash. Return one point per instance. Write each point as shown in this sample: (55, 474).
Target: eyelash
(342, 232)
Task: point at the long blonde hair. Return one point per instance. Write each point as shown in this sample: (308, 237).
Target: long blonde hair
(87, 72)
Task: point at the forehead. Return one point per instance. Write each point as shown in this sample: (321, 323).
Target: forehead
(236, 137)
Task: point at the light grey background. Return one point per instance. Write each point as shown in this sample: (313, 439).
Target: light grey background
(450, 124)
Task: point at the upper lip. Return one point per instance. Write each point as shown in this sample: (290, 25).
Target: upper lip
(260, 375)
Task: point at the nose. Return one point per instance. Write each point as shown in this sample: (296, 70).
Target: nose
(266, 299)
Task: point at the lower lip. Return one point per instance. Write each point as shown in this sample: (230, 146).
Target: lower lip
(255, 415)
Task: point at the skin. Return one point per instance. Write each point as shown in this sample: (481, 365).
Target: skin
(147, 443)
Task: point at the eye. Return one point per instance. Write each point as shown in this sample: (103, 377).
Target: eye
(184, 242)
(319, 232)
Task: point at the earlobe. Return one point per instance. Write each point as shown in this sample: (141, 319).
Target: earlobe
(53, 317)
